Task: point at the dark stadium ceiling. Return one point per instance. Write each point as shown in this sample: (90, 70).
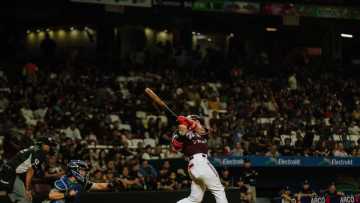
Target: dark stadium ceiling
(62, 12)
(56, 3)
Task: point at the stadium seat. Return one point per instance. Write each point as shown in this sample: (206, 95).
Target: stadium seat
(141, 114)
(354, 138)
(133, 143)
(337, 138)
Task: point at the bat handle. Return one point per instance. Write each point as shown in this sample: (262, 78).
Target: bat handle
(171, 111)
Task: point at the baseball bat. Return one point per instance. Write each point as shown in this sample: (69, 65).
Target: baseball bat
(159, 101)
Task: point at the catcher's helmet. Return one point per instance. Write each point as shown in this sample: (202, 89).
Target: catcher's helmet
(74, 167)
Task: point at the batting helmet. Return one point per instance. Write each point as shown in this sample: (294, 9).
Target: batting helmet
(194, 117)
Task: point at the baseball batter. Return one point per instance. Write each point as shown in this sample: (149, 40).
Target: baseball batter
(191, 138)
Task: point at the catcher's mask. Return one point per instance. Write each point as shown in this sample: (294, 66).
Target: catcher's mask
(79, 169)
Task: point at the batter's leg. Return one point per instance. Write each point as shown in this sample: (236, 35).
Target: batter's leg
(196, 194)
(213, 183)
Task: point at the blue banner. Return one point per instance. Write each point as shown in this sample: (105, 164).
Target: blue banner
(286, 161)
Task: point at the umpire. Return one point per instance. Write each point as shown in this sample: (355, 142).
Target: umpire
(16, 174)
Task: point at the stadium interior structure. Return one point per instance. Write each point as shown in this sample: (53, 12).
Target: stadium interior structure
(278, 82)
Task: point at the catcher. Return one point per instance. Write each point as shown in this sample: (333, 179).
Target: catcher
(191, 138)
(68, 187)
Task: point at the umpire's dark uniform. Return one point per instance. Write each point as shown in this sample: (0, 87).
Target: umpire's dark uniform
(13, 171)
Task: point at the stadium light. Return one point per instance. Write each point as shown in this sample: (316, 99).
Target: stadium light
(28, 31)
(37, 30)
(343, 35)
(209, 40)
(271, 29)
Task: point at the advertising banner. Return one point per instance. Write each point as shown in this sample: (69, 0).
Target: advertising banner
(135, 3)
(208, 5)
(328, 12)
(290, 161)
(227, 6)
(279, 9)
(172, 3)
(242, 7)
(311, 11)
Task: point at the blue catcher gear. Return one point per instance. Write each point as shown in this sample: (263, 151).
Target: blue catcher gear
(74, 167)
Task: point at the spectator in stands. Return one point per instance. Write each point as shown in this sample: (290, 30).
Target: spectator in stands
(306, 192)
(97, 177)
(169, 183)
(237, 151)
(183, 179)
(287, 196)
(91, 139)
(157, 154)
(287, 149)
(135, 172)
(29, 72)
(129, 182)
(148, 153)
(110, 166)
(323, 149)
(147, 170)
(214, 142)
(109, 175)
(172, 154)
(356, 152)
(273, 151)
(292, 82)
(245, 193)
(52, 169)
(248, 175)
(356, 113)
(166, 168)
(4, 102)
(331, 192)
(226, 179)
(72, 132)
(339, 150)
(354, 129)
(126, 152)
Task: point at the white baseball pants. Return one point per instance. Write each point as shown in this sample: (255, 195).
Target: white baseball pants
(204, 176)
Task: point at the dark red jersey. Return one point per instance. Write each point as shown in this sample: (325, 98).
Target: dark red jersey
(191, 143)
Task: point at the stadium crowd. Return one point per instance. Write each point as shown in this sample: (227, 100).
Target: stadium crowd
(105, 118)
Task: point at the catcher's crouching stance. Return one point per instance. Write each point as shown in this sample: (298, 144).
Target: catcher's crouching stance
(67, 189)
(191, 138)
